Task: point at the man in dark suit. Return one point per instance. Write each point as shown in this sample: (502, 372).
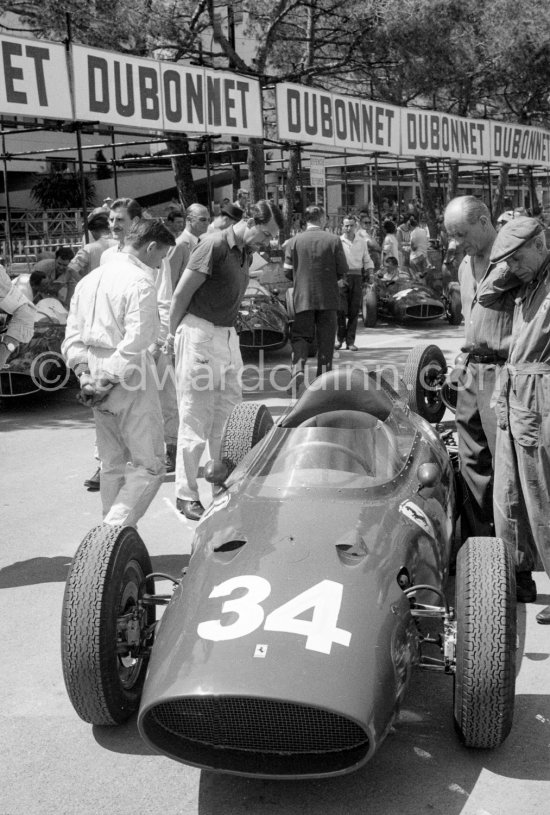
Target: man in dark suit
(314, 260)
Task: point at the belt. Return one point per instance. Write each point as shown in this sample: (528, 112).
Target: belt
(486, 359)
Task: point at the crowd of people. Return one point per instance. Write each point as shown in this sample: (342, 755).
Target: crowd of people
(155, 301)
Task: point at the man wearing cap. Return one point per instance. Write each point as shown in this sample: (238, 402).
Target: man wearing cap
(88, 256)
(522, 465)
(487, 340)
(171, 269)
(207, 355)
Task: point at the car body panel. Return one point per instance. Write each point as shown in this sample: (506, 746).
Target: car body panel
(292, 597)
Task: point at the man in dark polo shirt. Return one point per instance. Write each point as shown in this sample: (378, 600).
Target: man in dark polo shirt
(208, 360)
(314, 260)
(488, 330)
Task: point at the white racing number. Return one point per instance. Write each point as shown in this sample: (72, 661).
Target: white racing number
(320, 631)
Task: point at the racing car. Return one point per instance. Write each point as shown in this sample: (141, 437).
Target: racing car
(316, 577)
(262, 321)
(38, 364)
(406, 300)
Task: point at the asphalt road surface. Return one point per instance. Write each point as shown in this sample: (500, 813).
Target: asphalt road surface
(53, 763)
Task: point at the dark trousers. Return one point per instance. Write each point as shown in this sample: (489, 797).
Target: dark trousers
(307, 327)
(351, 294)
(476, 424)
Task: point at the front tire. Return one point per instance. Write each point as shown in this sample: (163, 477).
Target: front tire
(247, 424)
(486, 642)
(424, 373)
(103, 673)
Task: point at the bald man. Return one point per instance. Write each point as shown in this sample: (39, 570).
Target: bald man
(488, 332)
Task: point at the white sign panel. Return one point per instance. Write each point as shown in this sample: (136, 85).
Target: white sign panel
(309, 115)
(34, 79)
(438, 135)
(317, 171)
(122, 90)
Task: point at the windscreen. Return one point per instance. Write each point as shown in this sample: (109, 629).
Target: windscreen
(312, 456)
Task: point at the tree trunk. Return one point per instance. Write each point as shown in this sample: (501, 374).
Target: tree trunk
(256, 170)
(292, 173)
(426, 195)
(499, 191)
(453, 180)
(534, 205)
(183, 174)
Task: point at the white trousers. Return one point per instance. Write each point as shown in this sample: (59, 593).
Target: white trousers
(131, 447)
(208, 383)
(167, 396)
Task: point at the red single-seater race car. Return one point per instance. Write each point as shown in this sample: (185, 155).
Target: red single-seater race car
(316, 577)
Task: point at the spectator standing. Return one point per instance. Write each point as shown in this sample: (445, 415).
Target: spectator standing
(242, 200)
(390, 247)
(88, 256)
(360, 267)
(171, 269)
(112, 323)
(403, 235)
(314, 261)
(207, 355)
(488, 303)
(365, 231)
(175, 222)
(419, 249)
(522, 465)
(59, 281)
(124, 213)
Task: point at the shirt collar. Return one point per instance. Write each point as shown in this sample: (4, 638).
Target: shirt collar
(137, 262)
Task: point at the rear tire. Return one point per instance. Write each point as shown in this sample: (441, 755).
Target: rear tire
(369, 306)
(424, 373)
(247, 424)
(454, 307)
(105, 581)
(486, 642)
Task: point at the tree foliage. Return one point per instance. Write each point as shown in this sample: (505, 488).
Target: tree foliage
(461, 56)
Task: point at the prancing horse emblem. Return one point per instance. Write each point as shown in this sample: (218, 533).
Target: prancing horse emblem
(413, 512)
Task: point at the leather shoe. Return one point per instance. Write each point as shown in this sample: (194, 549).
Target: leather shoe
(193, 510)
(352, 347)
(337, 346)
(170, 458)
(526, 588)
(92, 484)
(543, 617)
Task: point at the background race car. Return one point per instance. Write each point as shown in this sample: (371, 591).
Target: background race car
(262, 321)
(38, 365)
(405, 299)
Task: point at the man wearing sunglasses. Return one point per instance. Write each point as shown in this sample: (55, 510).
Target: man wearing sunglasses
(208, 360)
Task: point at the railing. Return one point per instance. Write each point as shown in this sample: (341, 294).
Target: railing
(35, 231)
